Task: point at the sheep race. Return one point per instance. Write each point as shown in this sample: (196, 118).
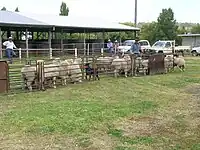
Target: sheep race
(76, 70)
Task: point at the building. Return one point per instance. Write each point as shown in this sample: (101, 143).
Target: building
(36, 24)
(190, 39)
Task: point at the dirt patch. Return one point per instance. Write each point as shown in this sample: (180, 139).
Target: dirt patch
(145, 126)
(16, 142)
(193, 89)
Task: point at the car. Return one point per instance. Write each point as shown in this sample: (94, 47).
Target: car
(195, 51)
(128, 43)
(168, 47)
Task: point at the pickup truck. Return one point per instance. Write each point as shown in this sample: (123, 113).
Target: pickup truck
(127, 45)
(167, 47)
(195, 51)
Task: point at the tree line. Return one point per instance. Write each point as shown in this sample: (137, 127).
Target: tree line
(164, 28)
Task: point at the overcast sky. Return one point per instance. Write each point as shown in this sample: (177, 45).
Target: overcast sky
(114, 10)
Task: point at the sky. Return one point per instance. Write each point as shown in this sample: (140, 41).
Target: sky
(113, 10)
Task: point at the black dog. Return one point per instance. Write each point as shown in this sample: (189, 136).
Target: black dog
(91, 71)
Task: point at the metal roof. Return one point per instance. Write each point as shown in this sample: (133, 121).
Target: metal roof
(189, 35)
(8, 17)
(61, 22)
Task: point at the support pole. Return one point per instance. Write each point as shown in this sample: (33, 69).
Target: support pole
(103, 39)
(88, 49)
(1, 53)
(84, 41)
(49, 41)
(27, 52)
(61, 41)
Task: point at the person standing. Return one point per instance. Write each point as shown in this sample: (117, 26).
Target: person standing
(110, 46)
(116, 44)
(136, 48)
(9, 49)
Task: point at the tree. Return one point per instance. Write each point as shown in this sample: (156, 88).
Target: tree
(4, 8)
(196, 29)
(149, 32)
(64, 10)
(166, 26)
(17, 9)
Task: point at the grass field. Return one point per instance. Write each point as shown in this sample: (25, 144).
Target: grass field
(159, 112)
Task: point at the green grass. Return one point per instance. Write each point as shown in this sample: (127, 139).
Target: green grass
(96, 115)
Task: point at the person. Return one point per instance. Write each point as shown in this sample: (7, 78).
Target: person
(136, 48)
(110, 46)
(9, 49)
(116, 44)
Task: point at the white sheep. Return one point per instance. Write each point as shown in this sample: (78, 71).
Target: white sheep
(179, 62)
(28, 76)
(145, 66)
(168, 63)
(75, 72)
(121, 64)
(104, 63)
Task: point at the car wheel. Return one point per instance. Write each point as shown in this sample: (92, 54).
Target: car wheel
(194, 53)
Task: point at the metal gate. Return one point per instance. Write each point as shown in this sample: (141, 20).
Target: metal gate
(4, 78)
(156, 64)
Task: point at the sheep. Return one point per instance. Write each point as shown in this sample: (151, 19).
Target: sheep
(56, 60)
(75, 72)
(168, 63)
(91, 71)
(64, 71)
(28, 76)
(123, 63)
(104, 63)
(145, 66)
(179, 62)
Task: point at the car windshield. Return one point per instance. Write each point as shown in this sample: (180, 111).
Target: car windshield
(159, 44)
(143, 43)
(128, 43)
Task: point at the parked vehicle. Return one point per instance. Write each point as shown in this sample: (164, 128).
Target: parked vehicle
(195, 51)
(127, 45)
(167, 47)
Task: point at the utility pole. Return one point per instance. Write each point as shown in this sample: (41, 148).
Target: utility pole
(135, 16)
(135, 13)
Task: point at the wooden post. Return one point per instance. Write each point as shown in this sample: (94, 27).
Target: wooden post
(101, 51)
(83, 68)
(20, 55)
(88, 52)
(49, 41)
(75, 53)
(132, 65)
(27, 52)
(1, 53)
(40, 74)
(50, 53)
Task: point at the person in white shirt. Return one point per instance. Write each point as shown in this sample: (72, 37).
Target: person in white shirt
(9, 49)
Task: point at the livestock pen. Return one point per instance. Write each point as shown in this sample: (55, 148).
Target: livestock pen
(103, 65)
